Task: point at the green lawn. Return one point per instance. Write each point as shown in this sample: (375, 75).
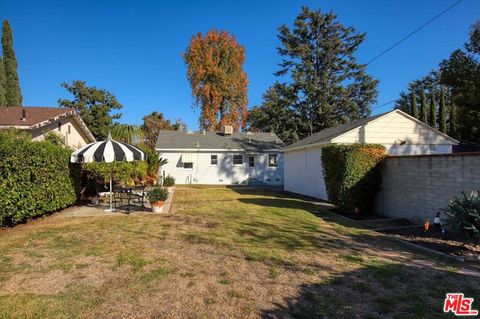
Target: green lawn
(229, 253)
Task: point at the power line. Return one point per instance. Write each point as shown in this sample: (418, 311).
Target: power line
(384, 104)
(414, 31)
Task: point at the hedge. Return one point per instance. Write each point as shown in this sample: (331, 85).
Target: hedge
(36, 178)
(352, 174)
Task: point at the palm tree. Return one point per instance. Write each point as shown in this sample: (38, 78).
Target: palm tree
(127, 133)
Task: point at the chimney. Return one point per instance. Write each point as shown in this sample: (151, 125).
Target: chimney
(24, 114)
(227, 130)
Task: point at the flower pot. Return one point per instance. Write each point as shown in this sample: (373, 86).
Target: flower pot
(157, 207)
(170, 189)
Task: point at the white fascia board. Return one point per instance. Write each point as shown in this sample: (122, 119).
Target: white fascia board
(179, 150)
(20, 127)
(303, 147)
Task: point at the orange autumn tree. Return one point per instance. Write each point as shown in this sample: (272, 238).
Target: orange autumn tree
(219, 83)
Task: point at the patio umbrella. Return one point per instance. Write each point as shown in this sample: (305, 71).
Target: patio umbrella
(107, 151)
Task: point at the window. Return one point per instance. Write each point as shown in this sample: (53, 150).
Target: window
(214, 160)
(432, 147)
(251, 161)
(237, 159)
(59, 126)
(187, 165)
(272, 160)
(69, 129)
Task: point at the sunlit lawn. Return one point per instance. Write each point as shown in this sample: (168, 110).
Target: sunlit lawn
(229, 253)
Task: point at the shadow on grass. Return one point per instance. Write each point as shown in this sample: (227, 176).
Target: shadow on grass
(296, 203)
(377, 290)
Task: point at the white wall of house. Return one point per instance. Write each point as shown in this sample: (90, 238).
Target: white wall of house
(67, 128)
(225, 172)
(419, 139)
(303, 172)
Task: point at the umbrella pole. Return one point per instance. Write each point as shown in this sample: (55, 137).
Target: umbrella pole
(111, 194)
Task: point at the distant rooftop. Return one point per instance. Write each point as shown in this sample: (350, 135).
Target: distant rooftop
(13, 115)
(248, 141)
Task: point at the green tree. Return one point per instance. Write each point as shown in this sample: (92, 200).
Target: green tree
(329, 85)
(453, 126)
(3, 84)
(13, 94)
(127, 133)
(423, 108)
(443, 112)
(432, 119)
(95, 106)
(427, 84)
(276, 113)
(414, 105)
(461, 74)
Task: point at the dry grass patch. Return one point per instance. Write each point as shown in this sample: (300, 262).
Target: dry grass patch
(236, 253)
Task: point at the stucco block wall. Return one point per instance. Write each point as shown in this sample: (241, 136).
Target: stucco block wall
(416, 187)
(225, 172)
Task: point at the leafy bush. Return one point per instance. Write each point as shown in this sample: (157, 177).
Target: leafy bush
(157, 194)
(154, 161)
(169, 181)
(126, 173)
(464, 215)
(35, 178)
(55, 138)
(352, 175)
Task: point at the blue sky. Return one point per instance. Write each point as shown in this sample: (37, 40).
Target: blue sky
(134, 48)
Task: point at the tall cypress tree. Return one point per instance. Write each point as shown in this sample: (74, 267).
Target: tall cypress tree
(3, 101)
(414, 106)
(453, 129)
(423, 109)
(432, 119)
(13, 94)
(443, 112)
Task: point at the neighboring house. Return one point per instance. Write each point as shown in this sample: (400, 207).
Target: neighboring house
(400, 133)
(221, 157)
(39, 121)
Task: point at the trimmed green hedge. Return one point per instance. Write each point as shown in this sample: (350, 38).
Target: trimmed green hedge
(35, 178)
(352, 174)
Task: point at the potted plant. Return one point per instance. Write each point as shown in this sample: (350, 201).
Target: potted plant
(157, 197)
(169, 182)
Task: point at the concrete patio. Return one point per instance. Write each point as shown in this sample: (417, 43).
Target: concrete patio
(92, 211)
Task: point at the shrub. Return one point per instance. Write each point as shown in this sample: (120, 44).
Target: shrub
(123, 172)
(352, 174)
(169, 181)
(157, 194)
(35, 178)
(464, 215)
(154, 161)
(55, 138)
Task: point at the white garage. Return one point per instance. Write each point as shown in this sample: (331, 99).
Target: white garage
(400, 133)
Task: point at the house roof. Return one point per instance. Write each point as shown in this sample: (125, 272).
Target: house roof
(327, 135)
(36, 117)
(12, 116)
(251, 141)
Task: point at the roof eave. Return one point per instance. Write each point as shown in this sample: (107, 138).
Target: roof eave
(296, 148)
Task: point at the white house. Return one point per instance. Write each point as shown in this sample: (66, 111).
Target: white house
(400, 133)
(39, 121)
(221, 157)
